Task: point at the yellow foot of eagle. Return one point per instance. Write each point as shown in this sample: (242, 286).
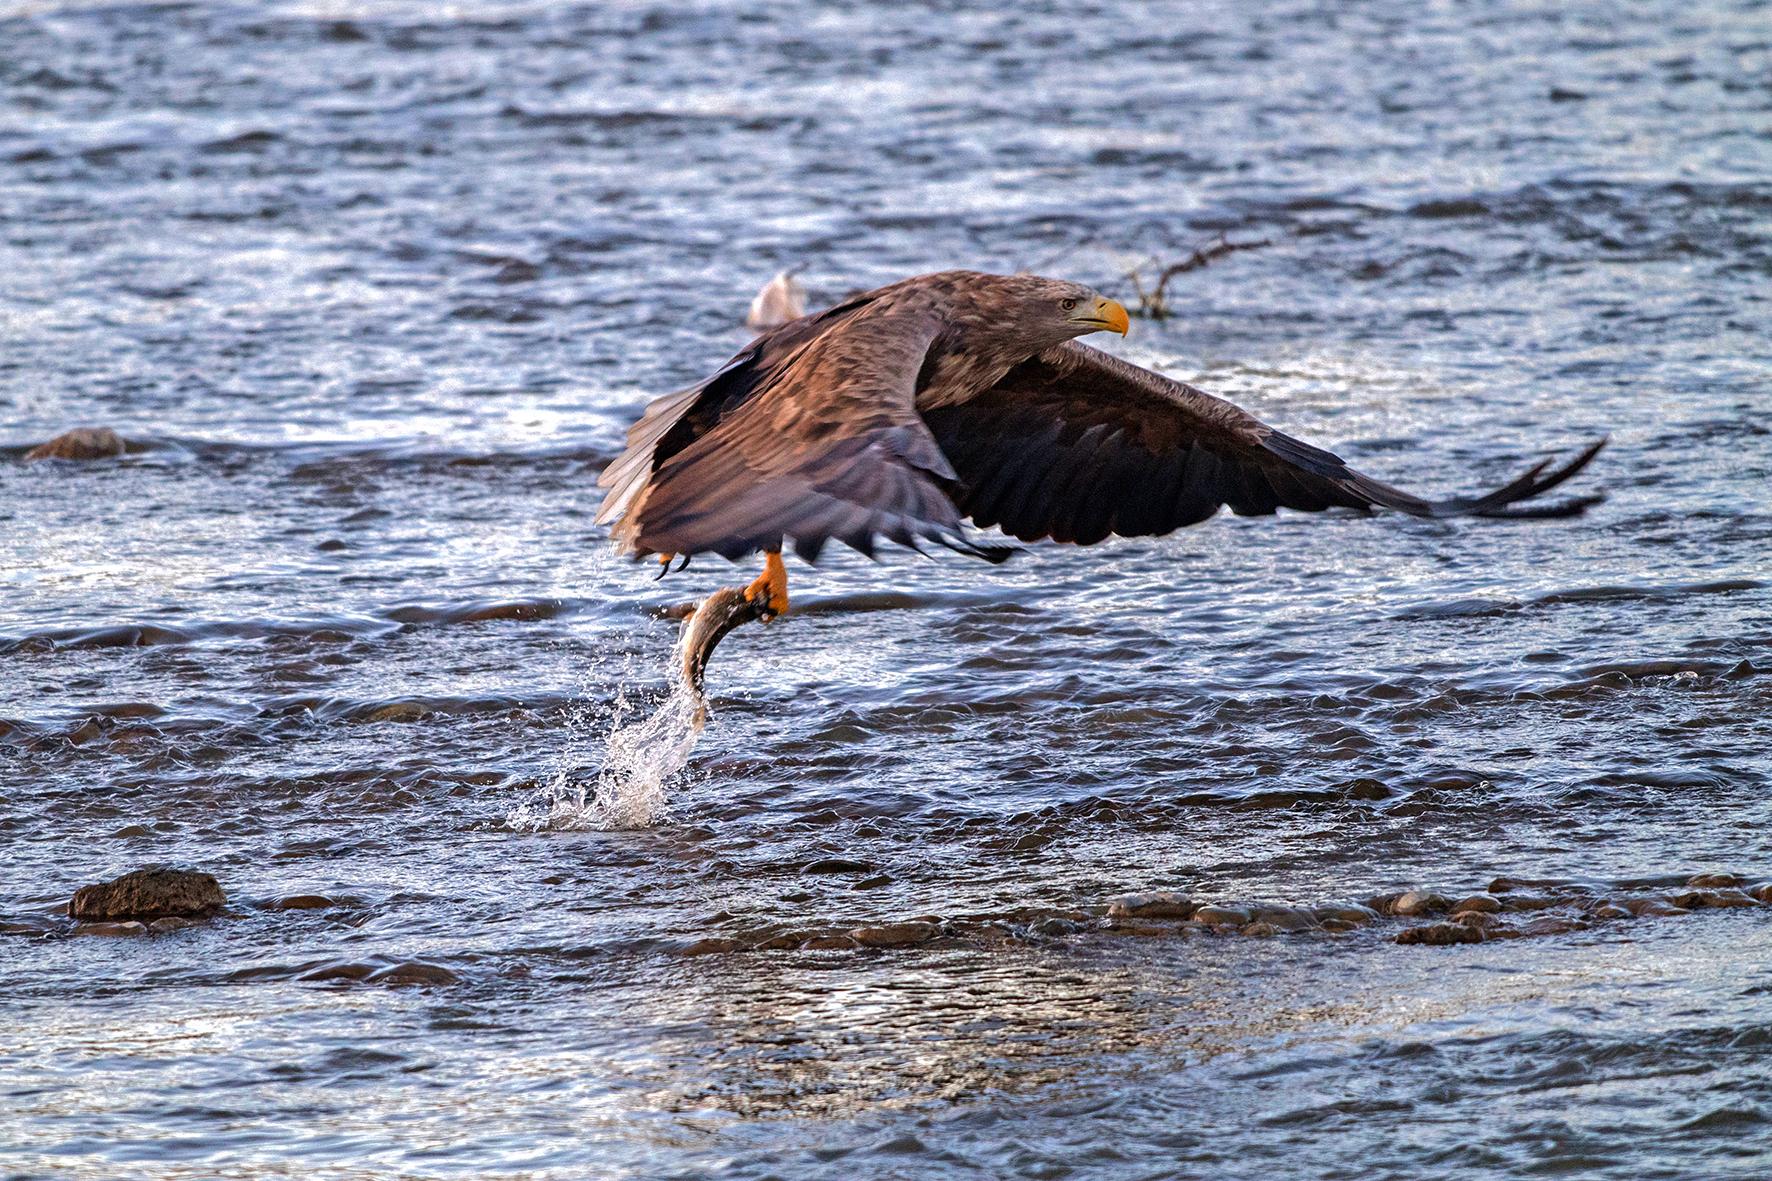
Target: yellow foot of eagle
(770, 591)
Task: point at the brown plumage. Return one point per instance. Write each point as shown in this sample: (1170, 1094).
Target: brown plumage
(907, 411)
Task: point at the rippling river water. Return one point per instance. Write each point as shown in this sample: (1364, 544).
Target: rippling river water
(372, 291)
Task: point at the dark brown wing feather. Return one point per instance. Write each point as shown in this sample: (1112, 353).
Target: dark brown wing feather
(829, 447)
(1077, 445)
(675, 420)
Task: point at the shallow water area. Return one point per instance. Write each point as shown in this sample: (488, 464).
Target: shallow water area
(372, 293)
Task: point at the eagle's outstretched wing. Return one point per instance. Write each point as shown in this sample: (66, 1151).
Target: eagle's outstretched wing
(1078, 445)
(826, 445)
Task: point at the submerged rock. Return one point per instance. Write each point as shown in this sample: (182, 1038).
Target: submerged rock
(1416, 903)
(414, 972)
(1441, 935)
(781, 943)
(1351, 913)
(105, 928)
(1286, 918)
(836, 865)
(169, 924)
(1712, 899)
(1551, 924)
(1478, 917)
(1160, 905)
(16, 927)
(1141, 930)
(408, 972)
(81, 443)
(300, 902)
(149, 894)
(1508, 885)
(1054, 926)
(340, 971)
(1711, 881)
(1651, 907)
(895, 934)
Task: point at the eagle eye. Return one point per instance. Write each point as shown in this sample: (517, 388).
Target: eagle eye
(1067, 304)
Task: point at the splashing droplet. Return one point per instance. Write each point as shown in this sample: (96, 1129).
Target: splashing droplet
(640, 759)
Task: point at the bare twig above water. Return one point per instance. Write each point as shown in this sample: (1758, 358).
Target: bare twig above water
(1153, 302)
(1040, 267)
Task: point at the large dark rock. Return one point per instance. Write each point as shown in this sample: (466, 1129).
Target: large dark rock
(148, 894)
(83, 442)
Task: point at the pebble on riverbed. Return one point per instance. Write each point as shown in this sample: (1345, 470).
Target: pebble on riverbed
(895, 934)
(1351, 913)
(1416, 903)
(1441, 934)
(130, 927)
(148, 894)
(81, 443)
(1161, 905)
(1223, 916)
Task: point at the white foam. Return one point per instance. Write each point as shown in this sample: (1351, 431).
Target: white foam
(640, 758)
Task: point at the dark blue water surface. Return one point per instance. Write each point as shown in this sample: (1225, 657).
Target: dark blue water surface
(372, 290)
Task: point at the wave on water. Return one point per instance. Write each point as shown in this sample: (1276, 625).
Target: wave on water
(640, 758)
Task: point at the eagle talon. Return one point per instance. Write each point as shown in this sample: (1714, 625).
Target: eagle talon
(770, 590)
(767, 609)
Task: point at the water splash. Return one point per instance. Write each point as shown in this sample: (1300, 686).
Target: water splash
(640, 758)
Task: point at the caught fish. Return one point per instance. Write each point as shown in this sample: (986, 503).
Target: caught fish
(718, 614)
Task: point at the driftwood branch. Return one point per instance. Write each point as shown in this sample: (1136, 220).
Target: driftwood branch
(1153, 302)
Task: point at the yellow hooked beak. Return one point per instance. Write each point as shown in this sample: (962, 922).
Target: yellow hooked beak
(1106, 315)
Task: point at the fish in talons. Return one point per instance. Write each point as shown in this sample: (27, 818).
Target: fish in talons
(719, 613)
